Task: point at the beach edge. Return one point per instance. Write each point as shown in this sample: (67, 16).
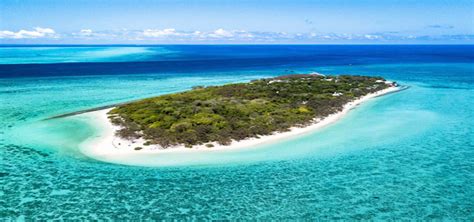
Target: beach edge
(106, 146)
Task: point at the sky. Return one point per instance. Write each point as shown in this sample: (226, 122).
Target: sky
(236, 22)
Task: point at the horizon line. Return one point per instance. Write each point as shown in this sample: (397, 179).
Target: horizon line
(223, 44)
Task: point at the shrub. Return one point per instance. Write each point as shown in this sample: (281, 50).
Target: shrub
(238, 111)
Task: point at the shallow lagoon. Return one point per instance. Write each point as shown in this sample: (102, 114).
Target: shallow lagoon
(405, 155)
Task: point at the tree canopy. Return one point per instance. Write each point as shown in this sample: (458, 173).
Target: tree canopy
(239, 111)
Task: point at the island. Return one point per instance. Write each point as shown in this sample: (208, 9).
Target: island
(234, 115)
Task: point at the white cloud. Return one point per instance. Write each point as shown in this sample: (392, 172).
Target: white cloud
(371, 37)
(89, 34)
(158, 33)
(37, 32)
(86, 32)
(220, 33)
(171, 35)
(243, 34)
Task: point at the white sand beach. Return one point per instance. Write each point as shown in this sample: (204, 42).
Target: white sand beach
(105, 145)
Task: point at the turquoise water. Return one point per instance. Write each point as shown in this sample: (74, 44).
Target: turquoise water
(28, 55)
(408, 155)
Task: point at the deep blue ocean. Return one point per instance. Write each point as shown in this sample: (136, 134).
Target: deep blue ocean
(408, 155)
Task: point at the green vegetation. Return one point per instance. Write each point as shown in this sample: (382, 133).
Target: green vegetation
(239, 111)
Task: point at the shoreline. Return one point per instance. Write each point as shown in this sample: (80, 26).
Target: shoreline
(105, 146)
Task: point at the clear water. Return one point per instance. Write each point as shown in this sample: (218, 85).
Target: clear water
(28, 55)
(408, 155)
